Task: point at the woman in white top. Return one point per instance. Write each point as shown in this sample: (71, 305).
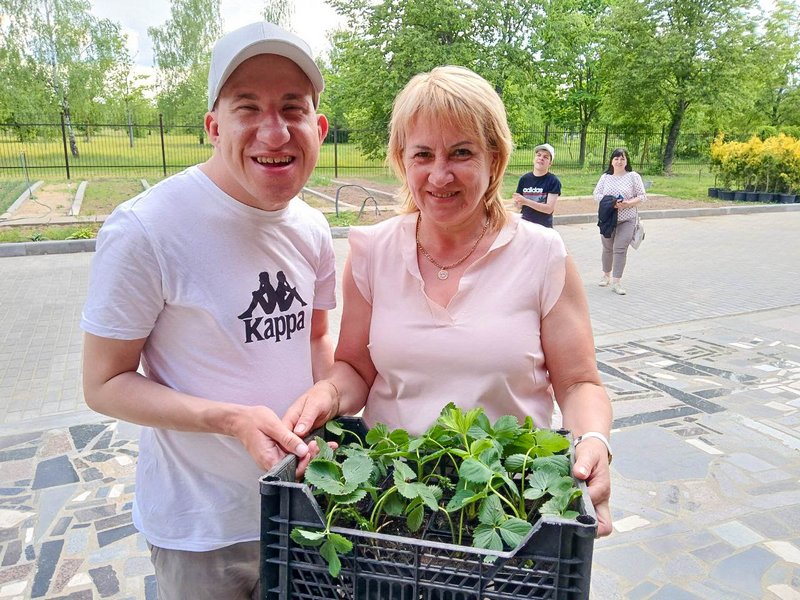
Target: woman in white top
(621, 181)
(445, 302)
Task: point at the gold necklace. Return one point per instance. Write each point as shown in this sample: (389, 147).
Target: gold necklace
(443, 270)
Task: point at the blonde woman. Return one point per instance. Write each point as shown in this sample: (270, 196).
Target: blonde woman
(442, 304)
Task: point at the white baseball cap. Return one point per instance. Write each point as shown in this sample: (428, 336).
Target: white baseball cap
(251, 40)
(547, 147)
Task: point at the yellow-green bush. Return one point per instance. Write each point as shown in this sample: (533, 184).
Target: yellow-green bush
(770, 165)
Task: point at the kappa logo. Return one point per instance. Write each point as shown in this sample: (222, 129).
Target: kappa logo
(268, 298)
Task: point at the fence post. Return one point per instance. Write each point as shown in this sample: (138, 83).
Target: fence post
(661, 145)
(335, 151)
(547, 133)
(64, 142)
(163, 151)
(605, 146)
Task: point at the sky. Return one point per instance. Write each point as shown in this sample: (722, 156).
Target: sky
(311, 21)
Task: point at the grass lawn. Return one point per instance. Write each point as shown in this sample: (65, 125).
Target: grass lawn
(688, 186)
(104, 194)
(10, 189)
(52, 232)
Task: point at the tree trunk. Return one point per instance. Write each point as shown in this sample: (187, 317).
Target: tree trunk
(73, 143)
(582, 150)
(130, 129)
(672, 138)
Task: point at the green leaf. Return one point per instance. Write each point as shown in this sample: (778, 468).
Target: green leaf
(325, 451)
(376, 434)
(325, 475)
(340, 543)
(514, 530)
(428, 495)
(491, 511)
(399, 437)
(415, 444)
(560, 502)
(522, 444)
(461, 499)
(403, 471)
(357, 469)
(540, 483)
(515, 463)
(305, 537)
(415, 516)
(475, 471)
(328, 552)
(486, 451)
(559, 462)
(335, 428)
(352, 497)
(476, 432)
(551, 442)
(406, 489)
(394, 505)
(486, 536)
(506, 429)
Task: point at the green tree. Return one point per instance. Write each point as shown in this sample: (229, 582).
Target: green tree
(572, 43)
(182, 49)
(386, 43)
(59, 57)
(778, 61)
(506, 41)
(128, 100)
(383, 46)
(674, 54)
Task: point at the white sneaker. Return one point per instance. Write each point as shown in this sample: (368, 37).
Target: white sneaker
(604, 281)
(618, 289)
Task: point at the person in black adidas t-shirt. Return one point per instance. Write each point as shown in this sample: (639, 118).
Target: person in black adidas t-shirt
(538, 190)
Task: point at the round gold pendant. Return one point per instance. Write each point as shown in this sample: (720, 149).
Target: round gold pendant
(442, 274)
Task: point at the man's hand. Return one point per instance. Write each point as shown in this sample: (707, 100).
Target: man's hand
(591, 466)
(265, 437)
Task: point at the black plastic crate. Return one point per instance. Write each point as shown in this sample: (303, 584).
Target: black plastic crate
(553, 561)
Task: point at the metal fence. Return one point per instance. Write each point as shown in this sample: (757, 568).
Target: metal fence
(56, 150)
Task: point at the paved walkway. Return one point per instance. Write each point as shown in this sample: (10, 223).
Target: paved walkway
(702, 360)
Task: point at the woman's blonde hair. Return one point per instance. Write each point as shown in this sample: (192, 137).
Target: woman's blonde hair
(460, 99)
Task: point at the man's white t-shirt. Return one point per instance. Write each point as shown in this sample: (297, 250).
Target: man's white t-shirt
(224, 293)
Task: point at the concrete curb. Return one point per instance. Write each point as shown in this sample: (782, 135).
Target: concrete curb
(46, 247)
(68, 246)
(76, 204)
(22, 197)
(683, 213)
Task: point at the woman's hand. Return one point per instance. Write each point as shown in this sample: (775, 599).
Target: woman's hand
(591, 466)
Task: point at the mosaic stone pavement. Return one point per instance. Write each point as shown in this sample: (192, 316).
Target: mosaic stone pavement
(65, 516)
(705, 481)
(697, 483)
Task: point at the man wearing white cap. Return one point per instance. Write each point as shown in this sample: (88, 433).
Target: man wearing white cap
(538, 190)
(191, 279)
